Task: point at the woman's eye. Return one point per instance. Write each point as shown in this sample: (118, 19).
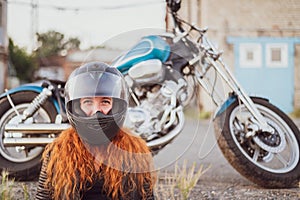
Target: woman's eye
(87, 101)
(107, 102)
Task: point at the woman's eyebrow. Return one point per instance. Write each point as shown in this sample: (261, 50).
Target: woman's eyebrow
(109, 98)
(86, 98)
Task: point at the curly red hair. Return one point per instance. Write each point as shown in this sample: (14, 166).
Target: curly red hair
(73, 164)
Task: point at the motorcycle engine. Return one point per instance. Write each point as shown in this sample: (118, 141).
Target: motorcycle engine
(157, 94)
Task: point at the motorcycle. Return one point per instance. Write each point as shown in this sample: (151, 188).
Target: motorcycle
(163, 73)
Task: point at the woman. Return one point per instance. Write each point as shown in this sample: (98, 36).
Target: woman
(95, 159)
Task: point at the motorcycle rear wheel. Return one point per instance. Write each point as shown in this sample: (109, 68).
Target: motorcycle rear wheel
(265, 168)
(22, 163)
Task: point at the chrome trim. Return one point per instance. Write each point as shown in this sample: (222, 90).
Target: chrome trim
(12, 142)
(40, 128)
(172, 134)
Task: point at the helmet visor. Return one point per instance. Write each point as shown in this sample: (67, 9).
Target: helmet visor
(95, 83)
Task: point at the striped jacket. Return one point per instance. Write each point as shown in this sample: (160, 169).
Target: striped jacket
(46, 193)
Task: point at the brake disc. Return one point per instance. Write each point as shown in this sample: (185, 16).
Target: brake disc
(267, 143)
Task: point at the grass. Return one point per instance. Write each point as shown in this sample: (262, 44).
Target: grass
(178, 186)
(187, 178)
(173, 186)
(195, 113)
(6, 187)
(296, 113)
(26, 192)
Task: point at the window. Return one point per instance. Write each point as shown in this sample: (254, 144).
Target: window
(250, 55)
(277, 55)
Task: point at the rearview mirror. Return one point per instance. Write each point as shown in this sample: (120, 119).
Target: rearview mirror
(174, 5)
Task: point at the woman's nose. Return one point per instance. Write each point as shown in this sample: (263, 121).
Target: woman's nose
(97, 108)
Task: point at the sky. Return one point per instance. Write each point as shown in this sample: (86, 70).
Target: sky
(91, 21)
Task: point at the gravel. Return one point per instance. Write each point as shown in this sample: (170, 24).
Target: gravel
(215, 188)
(218, 188)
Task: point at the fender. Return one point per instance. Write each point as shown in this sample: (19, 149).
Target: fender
(30, 87)
(230, 101)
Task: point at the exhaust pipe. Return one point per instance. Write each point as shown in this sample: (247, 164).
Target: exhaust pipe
(14, 134)
(12, 142)
(160, 142)
(36, 128)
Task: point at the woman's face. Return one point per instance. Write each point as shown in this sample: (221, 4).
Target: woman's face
(91, 105)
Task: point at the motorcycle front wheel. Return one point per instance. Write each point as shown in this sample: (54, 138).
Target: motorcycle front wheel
(277, 164)
(22, 162)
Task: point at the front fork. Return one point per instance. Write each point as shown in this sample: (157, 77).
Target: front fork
(210, 59)
(257, 117)
(246, 100)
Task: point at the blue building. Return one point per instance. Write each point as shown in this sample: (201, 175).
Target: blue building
(261, 44)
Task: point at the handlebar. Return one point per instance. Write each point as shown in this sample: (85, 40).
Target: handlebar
(180, 33)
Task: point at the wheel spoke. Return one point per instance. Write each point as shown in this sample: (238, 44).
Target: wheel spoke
(256, 154)
(26, 152)
(237, 124)
(282, 160)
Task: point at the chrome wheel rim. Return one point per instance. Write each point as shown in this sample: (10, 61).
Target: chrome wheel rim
(20, 154)
(281, 162)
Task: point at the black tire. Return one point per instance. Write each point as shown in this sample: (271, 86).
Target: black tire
(19, 166)
(267, 169)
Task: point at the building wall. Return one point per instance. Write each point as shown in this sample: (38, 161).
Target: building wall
(78, 58)
(255, 18)
(3, 45)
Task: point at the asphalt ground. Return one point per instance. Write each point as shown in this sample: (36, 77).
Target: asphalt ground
(197, 144)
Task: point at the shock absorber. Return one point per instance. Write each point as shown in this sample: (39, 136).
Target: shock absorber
(37, 102)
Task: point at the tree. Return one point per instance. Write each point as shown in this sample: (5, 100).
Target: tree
(24, 64)
(51, 43)
(54, 43)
